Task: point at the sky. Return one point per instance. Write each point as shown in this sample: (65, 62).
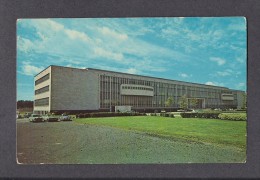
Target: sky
(203, 50)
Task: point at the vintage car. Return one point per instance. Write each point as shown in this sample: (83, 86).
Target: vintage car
(51, 118)
(36, 118)
(65, 117)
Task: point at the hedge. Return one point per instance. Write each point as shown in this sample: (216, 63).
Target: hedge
(208, 115)
(223, 116)
(233, 116)
(107, 114)
(167, 115)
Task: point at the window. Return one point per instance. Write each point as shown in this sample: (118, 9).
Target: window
(42, 79)
(42, 90)
(42, 102)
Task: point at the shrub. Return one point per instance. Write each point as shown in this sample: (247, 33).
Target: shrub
(233, 116)
(162, 114)
(108, 114)
(171, 115)
(208, 115)
(188, 115)
(80, 115)
(86, 115)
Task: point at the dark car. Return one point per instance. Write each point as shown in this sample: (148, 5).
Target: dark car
(36, 118)
(65, 117)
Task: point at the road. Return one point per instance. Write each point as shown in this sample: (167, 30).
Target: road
(73, 143)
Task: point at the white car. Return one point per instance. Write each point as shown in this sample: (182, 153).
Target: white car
(50, 118)
(36, 118)
(65, 117)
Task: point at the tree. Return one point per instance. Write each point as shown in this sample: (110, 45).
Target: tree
(244, 101)
(24, 104)
(194, 102)
(183, 102)
(169, 102)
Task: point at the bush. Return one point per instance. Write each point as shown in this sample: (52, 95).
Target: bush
(108, 114)
(171, 115)
(188, 115)
(162, 114)
(208, 115)
(233, 116)
(80, 115)
(165, 115)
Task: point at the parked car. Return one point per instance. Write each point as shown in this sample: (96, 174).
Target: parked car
(65, 117)
(36, 118)
(50, 118)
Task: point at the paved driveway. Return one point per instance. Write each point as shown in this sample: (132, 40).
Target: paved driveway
(72, 143)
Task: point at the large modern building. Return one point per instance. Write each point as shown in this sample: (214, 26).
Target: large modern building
(70, 89)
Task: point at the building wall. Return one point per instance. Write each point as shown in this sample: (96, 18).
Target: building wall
(112, 94)
(92, 89)
(73, 89)
(42, 108)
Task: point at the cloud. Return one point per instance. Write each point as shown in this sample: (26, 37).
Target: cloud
(241, 85)
(47, 24)
(112, 34)
(73, 66)
(30, 70)
(237, 27)
(24, 44)
(240, 59)
(72, 34)
(132, 71)
(108, 54)
(184, 75)
(210, 83)
(214, 83)
(128, 42)
(227, 72)
(218, 60)
(101, 41)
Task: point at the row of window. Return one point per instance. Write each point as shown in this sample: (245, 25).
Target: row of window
(137, 88)
(42, 79)
(110, 91)
(227, 95)
(42, 90)
(41, 102)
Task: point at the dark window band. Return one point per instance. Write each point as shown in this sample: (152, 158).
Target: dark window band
(42, 90)
(42, 79)
(41, 102)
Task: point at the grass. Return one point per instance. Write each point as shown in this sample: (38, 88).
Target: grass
(213, 131)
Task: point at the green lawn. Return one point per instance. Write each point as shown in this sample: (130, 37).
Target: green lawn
(213, 131)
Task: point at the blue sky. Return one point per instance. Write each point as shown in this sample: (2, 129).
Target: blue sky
(202, 50)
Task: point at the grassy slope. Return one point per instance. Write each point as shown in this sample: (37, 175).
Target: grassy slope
(218, 132)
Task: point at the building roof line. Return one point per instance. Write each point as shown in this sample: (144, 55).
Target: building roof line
(156, 78)
(140, 76)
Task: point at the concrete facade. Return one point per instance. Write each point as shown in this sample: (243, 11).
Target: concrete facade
(70, 89)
